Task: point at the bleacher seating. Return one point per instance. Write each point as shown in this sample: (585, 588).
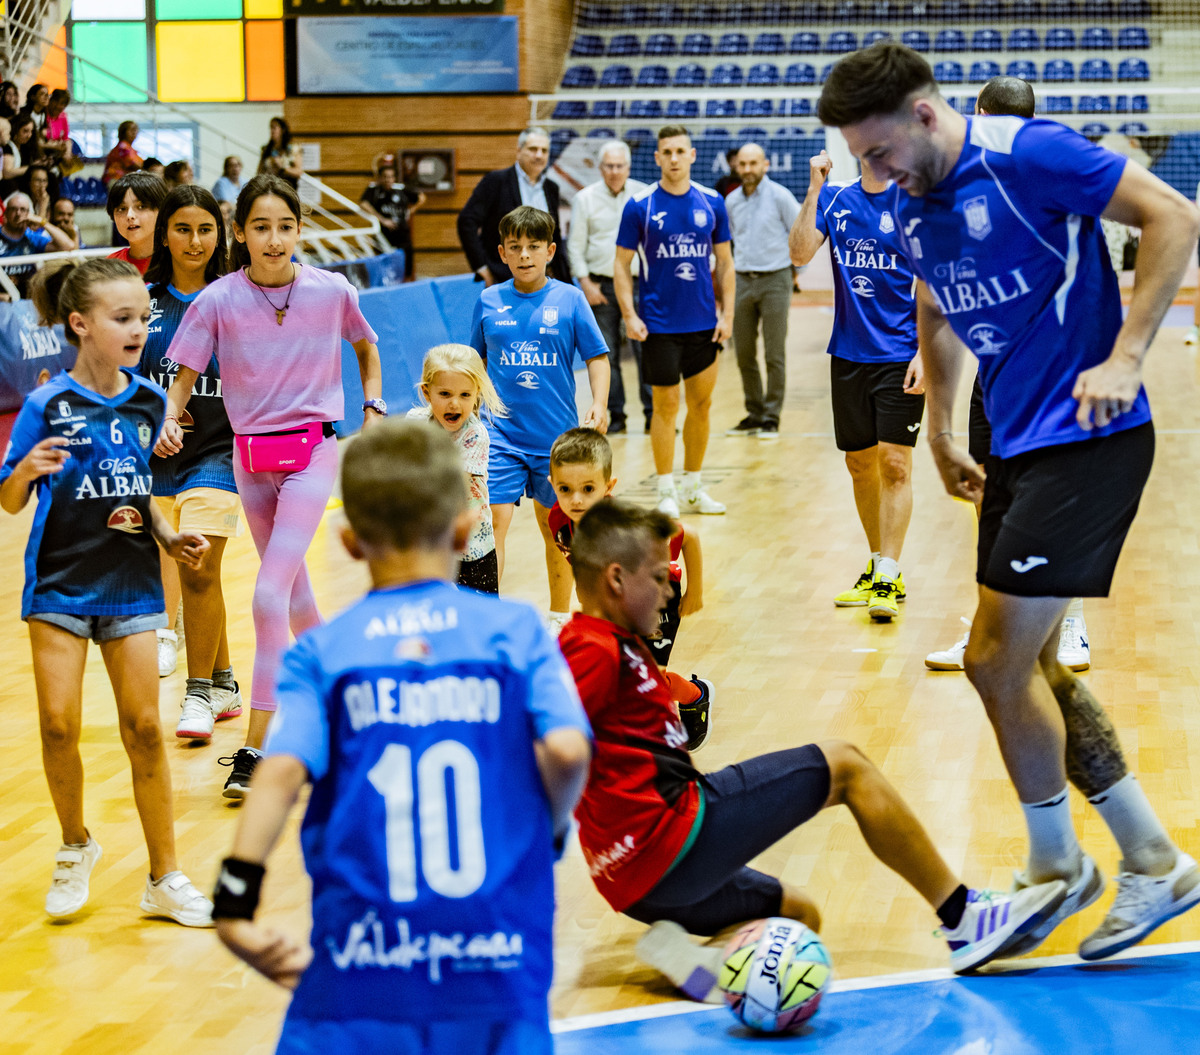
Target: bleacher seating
(805, 42)
(826, 70)
(690, 75)
(579, 77)
(720, 108)
(800, 74)
(1024, 38)
(1059, 104)
(753, 134)
(917, 39)
(1095, 128)
(800, 108)
(1060, 38)
(874, 36)
(570, 111)
(763, 74)
(840, 42)
(1133, 70)
(660, 45)
(587, 46)
(1134, 128)
(757, 108)
(1063, 9)
(644, 109)
(769, 44)
(948, 72)
(1024, 69)
(653, 76)
(1128, 9)
(987, 40)
(1059, 70)
(624, 45)
(616, 77)
(1096, 38)
(1097, 10)
(983, 71)
(1095, 104)
(1096, 70)
(733, 44)
(605, 109)
(1132, 37)
(950, 40)
(683, 108)
(697, 44)
(726, 75)
(1026, 10)
(601, 133)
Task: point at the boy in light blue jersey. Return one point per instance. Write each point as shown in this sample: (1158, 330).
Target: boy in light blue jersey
(874, 369)
(529, 331)
(1000, 218)
(447, 747)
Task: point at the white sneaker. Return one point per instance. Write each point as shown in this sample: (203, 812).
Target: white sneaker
(168, 652)
(1142, 904)
(991, 920)
(195, 718)
(951, 658)
(226, 703)
(668, 502)
(1073, 650)
(555, 621)
(692, 968)
(700, 501)
(1086, 889)
(73, 866)
(1192, 336)
(174, 896)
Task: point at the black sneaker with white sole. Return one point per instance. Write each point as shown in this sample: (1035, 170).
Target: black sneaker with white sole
(243, 761)
(697, 717)
(748, 426)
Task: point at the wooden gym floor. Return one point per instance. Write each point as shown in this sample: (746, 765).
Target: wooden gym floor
(788, 666)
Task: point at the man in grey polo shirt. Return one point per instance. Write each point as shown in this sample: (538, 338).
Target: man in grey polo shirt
(761, 213)
(591, 246)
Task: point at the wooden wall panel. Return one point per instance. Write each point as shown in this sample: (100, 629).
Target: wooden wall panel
(410, 113)
(477, 153)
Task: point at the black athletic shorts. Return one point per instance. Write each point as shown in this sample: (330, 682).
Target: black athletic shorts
(668, 627)
(870, 405)
(1054, 520)
(979, 429)
(748, 807)
(669, 357)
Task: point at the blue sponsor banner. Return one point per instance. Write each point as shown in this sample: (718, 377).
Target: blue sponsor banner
(391, 56)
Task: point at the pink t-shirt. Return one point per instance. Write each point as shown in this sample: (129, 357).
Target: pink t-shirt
(274, 377)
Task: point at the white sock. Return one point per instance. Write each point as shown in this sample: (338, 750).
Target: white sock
(559, 615)
(1075, 609)
(691, 483)
(1145, 845)
(1053, 849)
(875, 558)
(666, 483)
(886, 568)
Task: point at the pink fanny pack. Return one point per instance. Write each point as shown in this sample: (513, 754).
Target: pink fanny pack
(286, 451)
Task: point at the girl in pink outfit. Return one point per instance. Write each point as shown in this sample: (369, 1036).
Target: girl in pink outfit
(276, 328)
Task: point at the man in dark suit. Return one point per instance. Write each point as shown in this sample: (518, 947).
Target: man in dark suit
(496, 195)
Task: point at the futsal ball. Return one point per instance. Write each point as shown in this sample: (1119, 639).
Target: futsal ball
(774, 975)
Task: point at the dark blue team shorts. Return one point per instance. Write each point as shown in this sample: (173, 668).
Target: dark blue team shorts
(306, 1036)
(513, 474)
(103, 627)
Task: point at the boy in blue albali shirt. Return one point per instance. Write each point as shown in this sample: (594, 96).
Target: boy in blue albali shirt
(528, 331)
(447, 746)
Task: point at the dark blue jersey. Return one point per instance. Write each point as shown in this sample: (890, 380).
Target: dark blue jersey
(207, 456)
(428, 833)
(91, 551)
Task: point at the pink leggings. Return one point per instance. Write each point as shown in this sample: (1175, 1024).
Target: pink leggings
(283, 511)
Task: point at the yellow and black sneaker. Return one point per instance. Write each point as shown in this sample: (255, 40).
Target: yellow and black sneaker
(697, 717)
(860, 593)
(886, 596)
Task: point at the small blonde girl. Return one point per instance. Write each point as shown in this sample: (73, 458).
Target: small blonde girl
(454, 385)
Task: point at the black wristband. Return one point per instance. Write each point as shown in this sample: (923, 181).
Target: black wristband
(237, 889)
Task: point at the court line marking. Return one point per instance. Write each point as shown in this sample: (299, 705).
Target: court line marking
(882, 981)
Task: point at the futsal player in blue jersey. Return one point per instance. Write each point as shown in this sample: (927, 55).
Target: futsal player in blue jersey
(82, 443)
(447, 746)
(677, 228)
(1000, 218)
(529, 331)
(874, 369)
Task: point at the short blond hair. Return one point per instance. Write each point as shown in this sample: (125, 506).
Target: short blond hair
(461, 359)
(582, 447)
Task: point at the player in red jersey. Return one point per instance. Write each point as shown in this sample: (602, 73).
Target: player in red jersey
(668, 845)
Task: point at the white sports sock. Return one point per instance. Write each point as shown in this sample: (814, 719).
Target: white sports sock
(1145, 845)
(1075, 609)
(691, 483)
(876, 556)
(1053, 849)
(886, 568)
(666, 483)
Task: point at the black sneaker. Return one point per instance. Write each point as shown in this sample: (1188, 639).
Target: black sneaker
(243, 761)
(748, 426)
(769, 430)
(697, 717)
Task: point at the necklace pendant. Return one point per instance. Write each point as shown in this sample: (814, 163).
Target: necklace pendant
(279, 314)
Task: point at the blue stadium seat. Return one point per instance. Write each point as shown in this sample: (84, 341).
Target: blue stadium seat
(987, 40)
(1060, 38)
(669, 13)
(660, 44)
(579, 77)
(644, 109)
(616, 77)
(739, 12)
(715, 133)
(653, 77)
(1063, 9)
(800, 108)
(1059, 70)
(637, 135)
(1095, 129)
(1023, 68)
(569, 111)
(826, 70)
(1134, 128)
(1099, 10)
(955, 11)
(1096, 70)
(733, 44)
(917, 39)
(844, 11)
(624, 45)
(635, 14)
(763, 73)
(1139, 104)
(726, 75)
(587, 46)
(1127, 9)
(1095, 104)
(787, 133)
(840, 42)
(805, 43)
(704, 14)
(752, 135)
(1059, 104)
(951, 101)
(889, 11)
(950, 40)
(966, 105)
(602, 133)
(683, 108)
(769, 44)
(799, 74)
(720, 108)
(1023, 10)
(605, 109)
(1096, 38)
(697, 44)
(991, 11)
(810, 11)
(690, 75)
(758, 108)
(559, 139)
(948, 72)
(875, 36)
(775, 12)
(1132, 37)
(1133, 70)
(1024, 38)
(984, 71)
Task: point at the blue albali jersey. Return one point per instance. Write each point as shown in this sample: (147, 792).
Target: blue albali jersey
(1011, 248)
(529, 341)
(875, 314)
(207, 456)
(674, 235)
(428, 834)
(91, 550)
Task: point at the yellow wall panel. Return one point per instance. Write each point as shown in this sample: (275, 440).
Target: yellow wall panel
(264, 61)
(200, 62)
(264, 8)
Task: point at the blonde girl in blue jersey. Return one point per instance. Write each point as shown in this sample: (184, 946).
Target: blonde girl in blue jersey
(100, 410)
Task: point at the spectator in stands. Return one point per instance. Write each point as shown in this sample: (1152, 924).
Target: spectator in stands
(25, 234)
(155, 168)
(10, 100)
(36, 100)
(10, 159)
(761, 214)
(595, 215)
(56, 130)
(178, 173)
(229, 185)
(122, 159)
(496, 195)
(62, 215)
(280, 156)
(24, 134)
(730, 182)
(393, 205)
(37, 186)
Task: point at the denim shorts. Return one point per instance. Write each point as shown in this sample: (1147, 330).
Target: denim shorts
(103, 627)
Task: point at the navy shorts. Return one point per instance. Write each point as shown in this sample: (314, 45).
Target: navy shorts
(870, 405)
(103, 627)
(513, 474)
(668, 627)
(669, 357)
(307, 1036)
(979, 429)
(748, 807)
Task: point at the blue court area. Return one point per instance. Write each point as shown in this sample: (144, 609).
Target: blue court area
(1136, 1005)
